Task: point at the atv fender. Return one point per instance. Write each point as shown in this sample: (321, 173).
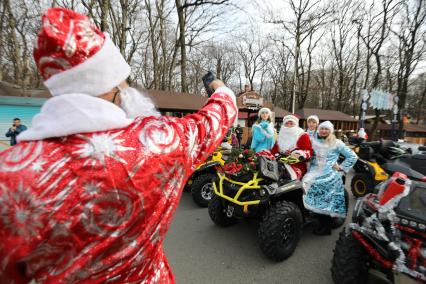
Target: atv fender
(286, 188)
(211, 166)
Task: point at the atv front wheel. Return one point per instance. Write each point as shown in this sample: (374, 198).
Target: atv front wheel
(280, 230)
(202, 189)
(349, 264)
(362, 184)
(217, 212)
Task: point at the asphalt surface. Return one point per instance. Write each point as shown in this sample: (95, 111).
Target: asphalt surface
(201, 252)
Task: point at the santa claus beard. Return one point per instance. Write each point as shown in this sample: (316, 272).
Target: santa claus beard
(135, 104)
(288, 136)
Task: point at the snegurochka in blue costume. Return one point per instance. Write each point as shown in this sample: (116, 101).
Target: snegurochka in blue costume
(323, 183)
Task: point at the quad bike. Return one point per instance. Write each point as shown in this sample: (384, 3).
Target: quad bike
(387, 234)
(379, 159)
(270, 194)
(201, 181)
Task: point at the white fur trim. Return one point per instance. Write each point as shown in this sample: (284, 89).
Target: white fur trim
(327, 125)
(313, 117)
(300, 152)
(264, 109)
(229, 92)
(291, 117)
(97, 75)
(72, 114)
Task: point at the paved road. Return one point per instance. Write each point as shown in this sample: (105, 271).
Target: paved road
(200, 252)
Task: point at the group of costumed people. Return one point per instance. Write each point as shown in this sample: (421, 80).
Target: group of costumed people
(88, 193)
(317, 150)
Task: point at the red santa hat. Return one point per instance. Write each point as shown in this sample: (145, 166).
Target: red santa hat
(74, 56)
(291, 117)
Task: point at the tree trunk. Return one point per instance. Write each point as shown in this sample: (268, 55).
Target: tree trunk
(182, 43)
(16, 52)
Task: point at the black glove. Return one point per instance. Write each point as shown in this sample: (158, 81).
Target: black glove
(207, 79)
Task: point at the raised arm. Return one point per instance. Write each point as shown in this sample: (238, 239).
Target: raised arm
(10, 133)
(205, 129)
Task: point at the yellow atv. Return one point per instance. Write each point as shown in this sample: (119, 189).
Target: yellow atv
(368, 172)
(200, 182)
(270, 194)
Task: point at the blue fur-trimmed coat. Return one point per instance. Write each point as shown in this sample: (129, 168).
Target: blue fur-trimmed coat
(323, 185)
(263, 136)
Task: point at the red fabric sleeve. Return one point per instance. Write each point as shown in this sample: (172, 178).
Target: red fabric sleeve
(205, 129)
(275, 149)
(304, 144)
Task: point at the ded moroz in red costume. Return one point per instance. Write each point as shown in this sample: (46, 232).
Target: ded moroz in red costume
(294, 140)
(89, 192)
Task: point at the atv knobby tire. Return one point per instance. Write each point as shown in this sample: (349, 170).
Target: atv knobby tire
(217, 212)
(349, 264)
(279, 230)
(202, 189)
(361, 184)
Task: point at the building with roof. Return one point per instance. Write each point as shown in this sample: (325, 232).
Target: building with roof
(413, 133)
(339, 119)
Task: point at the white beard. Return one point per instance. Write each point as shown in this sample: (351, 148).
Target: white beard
(135, 104)
(288, 136)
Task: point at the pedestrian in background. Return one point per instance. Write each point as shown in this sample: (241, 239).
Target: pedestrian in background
(15, 130)
(239, 134)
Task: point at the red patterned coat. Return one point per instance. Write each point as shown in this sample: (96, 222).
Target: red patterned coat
(303, 147)
(88, 208)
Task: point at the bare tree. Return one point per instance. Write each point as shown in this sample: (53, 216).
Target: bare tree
(251, 51)
(377, 31)
(308, 16)
(412, 46)
(185, 10)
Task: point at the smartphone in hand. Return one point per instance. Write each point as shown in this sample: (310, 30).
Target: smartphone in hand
(207, 79)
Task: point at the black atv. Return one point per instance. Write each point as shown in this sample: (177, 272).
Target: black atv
(379, 159)
(387, 234)
(200, 183)
(270, 195)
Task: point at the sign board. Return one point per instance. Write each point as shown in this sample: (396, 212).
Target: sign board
(251, 100)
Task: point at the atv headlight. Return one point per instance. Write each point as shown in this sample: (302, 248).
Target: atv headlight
(413, 224)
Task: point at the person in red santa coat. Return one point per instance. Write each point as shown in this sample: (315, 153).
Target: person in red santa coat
(294, 141)
(88, 193)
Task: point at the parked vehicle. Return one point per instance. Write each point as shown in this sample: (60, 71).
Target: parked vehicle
(269, 195)
(387, 234)
(200, 184)
(380, 159)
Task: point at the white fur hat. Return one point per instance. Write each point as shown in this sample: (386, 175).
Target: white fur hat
(327, 125)
(313, 117)
(290, 117)
(264, 109)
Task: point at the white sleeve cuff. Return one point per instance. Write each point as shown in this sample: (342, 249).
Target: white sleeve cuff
(229, 92)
